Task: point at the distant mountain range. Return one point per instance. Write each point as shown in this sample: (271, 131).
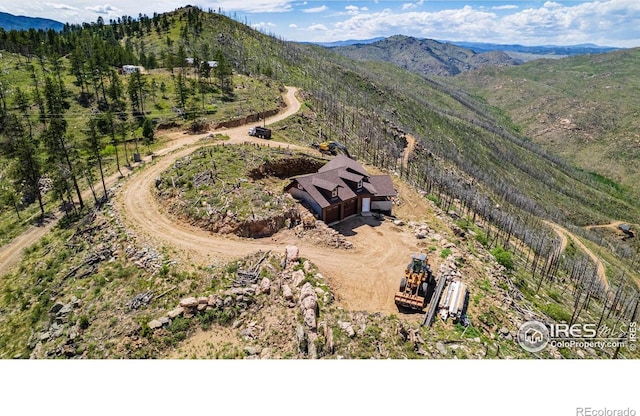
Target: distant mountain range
(520, 52)
(571, 50)
(12, 22)
(425, 56)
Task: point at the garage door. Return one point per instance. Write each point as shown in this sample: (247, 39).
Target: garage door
(351, 207)
(333, 214)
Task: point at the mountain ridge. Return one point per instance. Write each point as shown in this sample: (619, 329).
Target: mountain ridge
(425, 56)
(9, 21)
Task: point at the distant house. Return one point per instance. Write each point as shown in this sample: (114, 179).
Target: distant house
(343, 188)
(212, 64)
(626, 228)
(189, 61)
(129, 69)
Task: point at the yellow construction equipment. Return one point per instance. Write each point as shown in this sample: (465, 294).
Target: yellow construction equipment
(331, 148)
(416, 288)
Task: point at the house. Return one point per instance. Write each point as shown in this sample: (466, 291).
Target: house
(626, 229)
(129, 69)
(343, 188)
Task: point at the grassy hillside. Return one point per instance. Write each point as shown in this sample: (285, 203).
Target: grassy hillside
(584, 108)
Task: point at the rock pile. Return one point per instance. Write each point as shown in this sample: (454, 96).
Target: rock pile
(60, 314)
(237, 298)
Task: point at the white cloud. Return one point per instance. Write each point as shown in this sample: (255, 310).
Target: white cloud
(255, 6)
(106, 9)
(605, 22)
(318, 27)
(263, 25)
(409, 6)
(552, 4)
(293, 26)
(320, 9)
(60, 6)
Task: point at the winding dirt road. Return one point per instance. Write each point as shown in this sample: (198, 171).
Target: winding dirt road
(11, 253)
(563, 233)
(363, 278)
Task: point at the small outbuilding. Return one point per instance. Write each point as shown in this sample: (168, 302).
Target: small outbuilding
(626, 229)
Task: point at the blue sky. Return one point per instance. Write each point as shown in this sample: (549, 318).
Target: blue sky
(528, 22)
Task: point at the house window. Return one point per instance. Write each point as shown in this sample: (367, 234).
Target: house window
(334, 193)
(360, 184)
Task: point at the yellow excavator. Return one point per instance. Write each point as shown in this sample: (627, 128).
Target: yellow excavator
(417, 284)
(331, 148)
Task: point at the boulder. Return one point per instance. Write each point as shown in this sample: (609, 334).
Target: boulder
(179, 311)
(301, 339)
(307, 290)
(297, 277)
(189, 302)
(306, 266)
(203, 300)
(308, 298)
(155, 324)
(286, 292)
(164, 321)
(348, 328)
(265, 285)
(399, 223)
(56, 308)
(212, 300)
(265, 354)
(293, 254)
(251, 350)
(66, 309)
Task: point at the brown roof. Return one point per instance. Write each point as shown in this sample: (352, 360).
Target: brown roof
(342, 161)
(383, 185)
(336, 174)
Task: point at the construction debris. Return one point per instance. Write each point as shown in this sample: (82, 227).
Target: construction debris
(140, 299)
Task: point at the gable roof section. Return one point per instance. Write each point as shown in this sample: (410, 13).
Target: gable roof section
(322, 183)
(383, 185)
(341, 161)
(351, 177)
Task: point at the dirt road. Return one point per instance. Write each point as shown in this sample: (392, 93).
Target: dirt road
(364, 278)
(411, 145)
(614, 225)
(564, 233)
(11, 253)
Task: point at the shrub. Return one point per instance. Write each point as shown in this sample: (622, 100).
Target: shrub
(503, 257)
(83, 322)
(556, 312)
